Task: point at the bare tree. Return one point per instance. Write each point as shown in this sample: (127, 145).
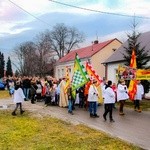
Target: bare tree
(38, 58)
(43, 44)
(25, 58)
(64, 38)
(30, 60)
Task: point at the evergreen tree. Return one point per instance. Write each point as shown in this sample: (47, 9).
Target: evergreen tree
(141, 54)
(2, 65)
(9, 71)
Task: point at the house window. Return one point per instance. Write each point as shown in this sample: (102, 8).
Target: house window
(69, 70)
(62, 72)
(58, 73)
(114, 49)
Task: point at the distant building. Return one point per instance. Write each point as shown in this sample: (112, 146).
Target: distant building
(117, 57)
(95, 54)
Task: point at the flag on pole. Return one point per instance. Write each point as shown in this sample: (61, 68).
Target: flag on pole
(80, 76)
(132, 85)
(133, 60)
(67, 80)
(93, 75)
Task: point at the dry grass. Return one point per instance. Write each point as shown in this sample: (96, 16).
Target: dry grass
(31, 133)
(4, 94)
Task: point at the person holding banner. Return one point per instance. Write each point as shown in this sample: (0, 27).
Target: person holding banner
(138, 96)
(70, 99)
(122, 95)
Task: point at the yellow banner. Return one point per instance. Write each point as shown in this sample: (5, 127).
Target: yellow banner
(142, 74)
(127, 73)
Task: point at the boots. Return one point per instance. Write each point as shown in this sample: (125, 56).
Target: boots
(14, 113)
(22, 111)
(112, 120)
(95, 115)
(104, 117)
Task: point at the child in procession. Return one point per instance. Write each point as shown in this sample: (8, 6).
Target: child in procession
(138, 96)
(19, 97)
(109, 100)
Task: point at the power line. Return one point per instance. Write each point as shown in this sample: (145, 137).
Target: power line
(108, 13)
(29, 13)
(103, 12)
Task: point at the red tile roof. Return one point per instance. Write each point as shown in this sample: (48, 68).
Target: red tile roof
(85, 52)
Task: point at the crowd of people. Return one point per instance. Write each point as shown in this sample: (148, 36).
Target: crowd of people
(54, 92)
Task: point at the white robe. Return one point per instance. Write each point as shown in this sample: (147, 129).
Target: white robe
(139, 92)
(109, 96)
(122, 92)
(93, 94)
(18, 96)
(63, 99)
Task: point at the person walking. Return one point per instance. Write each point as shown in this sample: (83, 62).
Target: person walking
(47, 95)
(57, 93)
(19, 97)
(114, 87)
(26, 86)
(109, 100)
(81, 97)
(70, 100)
(138, 96)
(93, 99)
(63, 99)
(33, 91)
(122, 95)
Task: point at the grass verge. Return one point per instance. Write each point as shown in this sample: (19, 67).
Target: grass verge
(4, 94)
(27, 132)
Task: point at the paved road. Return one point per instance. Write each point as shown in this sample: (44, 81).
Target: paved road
(133, 127)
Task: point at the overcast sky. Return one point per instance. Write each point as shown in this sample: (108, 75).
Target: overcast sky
(22, 20)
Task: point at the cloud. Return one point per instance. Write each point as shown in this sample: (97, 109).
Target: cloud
(10, 13)
(9, 29)
(18, 26)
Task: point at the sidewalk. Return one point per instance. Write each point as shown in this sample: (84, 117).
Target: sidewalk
(133, 127)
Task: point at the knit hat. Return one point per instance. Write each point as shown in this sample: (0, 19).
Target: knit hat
(109, 83)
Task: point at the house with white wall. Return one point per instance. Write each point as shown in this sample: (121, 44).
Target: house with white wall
(95, 54)
(112, 63)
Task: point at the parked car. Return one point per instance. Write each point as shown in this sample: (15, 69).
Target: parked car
(2, 86)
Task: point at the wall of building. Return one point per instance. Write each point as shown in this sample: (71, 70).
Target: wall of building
(60, 70)
(101, 56)
(112, 70)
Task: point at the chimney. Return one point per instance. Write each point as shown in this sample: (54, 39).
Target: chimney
(96, 42)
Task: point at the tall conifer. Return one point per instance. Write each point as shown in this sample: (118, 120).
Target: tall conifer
(9, 71)
(140, 52)
(2, 65)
